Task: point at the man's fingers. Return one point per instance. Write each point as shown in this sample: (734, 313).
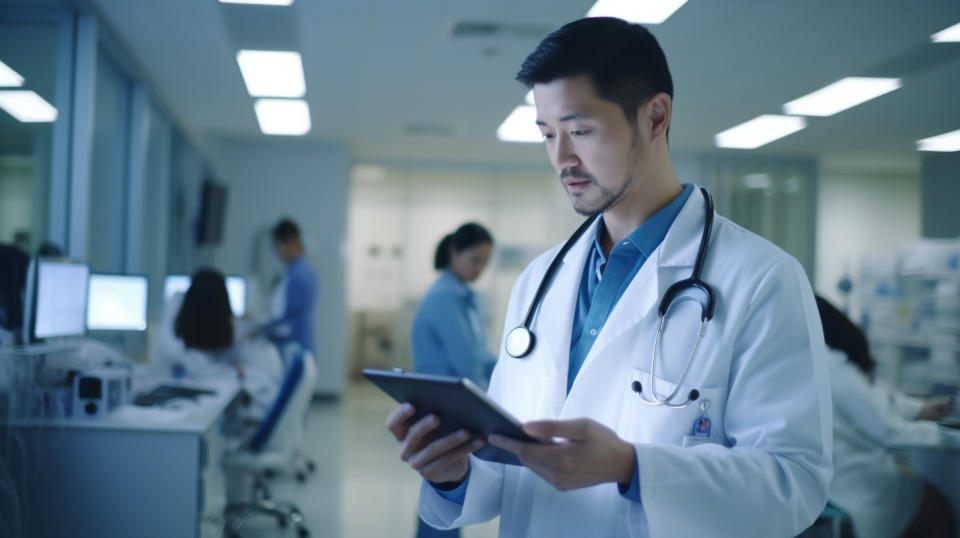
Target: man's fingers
(451, 457)
(438, 448)
(413, 442)
(576, 430)
(397, 420)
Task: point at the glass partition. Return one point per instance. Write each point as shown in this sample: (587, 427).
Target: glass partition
(27, 115)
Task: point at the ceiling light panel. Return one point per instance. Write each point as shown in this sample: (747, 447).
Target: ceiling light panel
(950, 35)
(841, 95)
(283, 116)
(271, 73)
(27, 106)
(640, 11)
(759, 131)
(520, 126)
(945, 142)
(9, 77)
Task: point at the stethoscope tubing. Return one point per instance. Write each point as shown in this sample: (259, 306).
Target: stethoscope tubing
(524, 337)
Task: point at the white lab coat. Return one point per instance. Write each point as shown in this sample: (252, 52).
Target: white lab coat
(761, 364)
(881, 499)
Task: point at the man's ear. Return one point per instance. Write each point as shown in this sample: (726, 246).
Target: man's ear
(656, 114)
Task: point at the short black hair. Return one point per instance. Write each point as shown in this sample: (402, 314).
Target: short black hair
(285, 231)
(466, 236)
(622, 59)
(205, 320)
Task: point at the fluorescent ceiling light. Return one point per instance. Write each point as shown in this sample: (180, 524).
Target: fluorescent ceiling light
(945, 142)
(641, 11)
(270, 73)
(529, 98)
(27, 106)
(520, 126)
(9, 77)
(841, 95)
(759, 131)
(259, 2)
(950, 35)
(283, 116)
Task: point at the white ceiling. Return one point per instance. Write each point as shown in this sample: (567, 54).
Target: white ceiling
(376, 67)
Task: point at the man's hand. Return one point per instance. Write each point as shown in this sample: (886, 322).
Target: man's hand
(438, 459)
(588, 454)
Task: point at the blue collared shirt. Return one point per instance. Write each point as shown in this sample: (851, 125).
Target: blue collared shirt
(604, 280)
(300, 296)
(448, 337)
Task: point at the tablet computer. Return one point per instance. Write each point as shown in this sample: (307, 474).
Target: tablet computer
(459, 403)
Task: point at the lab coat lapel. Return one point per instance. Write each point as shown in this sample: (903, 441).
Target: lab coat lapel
(669, 263)
(556, 311)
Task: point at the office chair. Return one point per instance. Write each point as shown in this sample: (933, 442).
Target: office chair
(273, 445)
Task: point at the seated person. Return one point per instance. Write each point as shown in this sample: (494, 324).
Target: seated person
(882, 498)
(201, 342)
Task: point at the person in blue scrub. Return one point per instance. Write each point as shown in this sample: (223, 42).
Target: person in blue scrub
(300, 293)
(448, 337)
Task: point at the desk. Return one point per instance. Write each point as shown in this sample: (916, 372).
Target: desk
(138, 472)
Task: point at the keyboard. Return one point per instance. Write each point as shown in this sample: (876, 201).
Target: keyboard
(164, 393)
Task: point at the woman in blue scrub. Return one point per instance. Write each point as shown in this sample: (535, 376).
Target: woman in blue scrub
(448, 334)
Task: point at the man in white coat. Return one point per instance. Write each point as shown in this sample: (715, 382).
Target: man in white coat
(746, 450)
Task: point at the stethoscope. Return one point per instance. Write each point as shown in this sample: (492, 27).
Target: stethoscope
(521, 340)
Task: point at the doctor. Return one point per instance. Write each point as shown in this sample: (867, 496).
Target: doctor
(733, 440)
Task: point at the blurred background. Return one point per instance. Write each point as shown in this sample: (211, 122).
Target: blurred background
(116, 116)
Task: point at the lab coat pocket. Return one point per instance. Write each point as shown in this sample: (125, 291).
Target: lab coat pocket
(643, 423)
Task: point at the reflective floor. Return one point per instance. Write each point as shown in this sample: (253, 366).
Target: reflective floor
(360, 489)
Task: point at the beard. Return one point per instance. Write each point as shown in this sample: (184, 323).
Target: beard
(607, 197)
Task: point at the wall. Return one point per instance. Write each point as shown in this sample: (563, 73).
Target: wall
(16, 196)
(307, 181)
(941, 194)
(865, 204)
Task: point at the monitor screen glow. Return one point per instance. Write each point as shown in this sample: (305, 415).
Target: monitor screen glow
(117, 303)
(61, 298)
(236, 290)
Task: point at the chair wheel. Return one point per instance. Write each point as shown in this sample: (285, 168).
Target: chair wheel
(303, 532)
(269, 474)
(282, 522)
(311, 466)
(301, 476)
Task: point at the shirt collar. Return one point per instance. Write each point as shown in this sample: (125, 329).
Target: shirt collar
(648, 236)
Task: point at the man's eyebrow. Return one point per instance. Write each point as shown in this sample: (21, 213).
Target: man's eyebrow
(568, 117)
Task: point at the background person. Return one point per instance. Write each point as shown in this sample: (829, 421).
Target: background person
(448, 336)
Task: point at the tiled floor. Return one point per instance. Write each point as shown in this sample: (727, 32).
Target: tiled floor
(361, 488)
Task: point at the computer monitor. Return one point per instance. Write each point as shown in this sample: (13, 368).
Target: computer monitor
(236, 290)
(57, 297)
(117, 303)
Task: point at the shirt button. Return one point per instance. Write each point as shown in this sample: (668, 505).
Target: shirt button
(593, 332)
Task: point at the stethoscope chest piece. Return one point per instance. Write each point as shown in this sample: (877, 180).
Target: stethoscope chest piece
(519, 342)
